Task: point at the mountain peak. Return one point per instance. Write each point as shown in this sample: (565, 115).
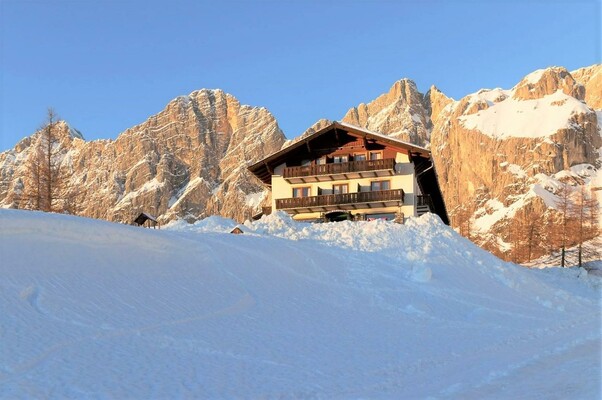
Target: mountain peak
(547, 81)
(73, 133)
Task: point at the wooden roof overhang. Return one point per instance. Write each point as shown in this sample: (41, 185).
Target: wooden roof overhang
(264, 169)
(340, 176)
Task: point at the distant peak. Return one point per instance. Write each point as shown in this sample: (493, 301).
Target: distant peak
(73, 133)
(547, 81)
(404, 82)
(535, 76)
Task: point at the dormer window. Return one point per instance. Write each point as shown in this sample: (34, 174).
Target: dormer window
(359, 157)
(376, 155)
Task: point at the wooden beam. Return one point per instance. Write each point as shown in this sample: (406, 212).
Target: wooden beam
(267, 166)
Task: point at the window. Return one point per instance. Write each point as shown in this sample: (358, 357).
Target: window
(341, 159)
(383, 216)
(340, 189)
(302, 191)
(376, 155)
(359, 157)
(321, 161)
(379, 185)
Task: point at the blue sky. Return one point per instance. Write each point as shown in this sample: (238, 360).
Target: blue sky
(108, 65)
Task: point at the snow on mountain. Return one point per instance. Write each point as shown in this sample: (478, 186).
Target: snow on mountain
(526, 118)
(92, 309)
(503, 154)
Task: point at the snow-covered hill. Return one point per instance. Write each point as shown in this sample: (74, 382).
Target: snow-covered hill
(91, 309)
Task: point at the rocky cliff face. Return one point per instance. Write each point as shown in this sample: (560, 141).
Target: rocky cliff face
(502, 153)
(187, 161)
(591, 79)
(401, 113)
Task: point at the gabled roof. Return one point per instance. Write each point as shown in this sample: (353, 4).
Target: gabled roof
(263, 169)
(143, 217)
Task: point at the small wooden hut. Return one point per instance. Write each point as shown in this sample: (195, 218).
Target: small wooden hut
(146, 220)
(237, 230)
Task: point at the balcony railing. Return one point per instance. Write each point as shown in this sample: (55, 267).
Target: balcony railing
(340, 199)
(339, 168)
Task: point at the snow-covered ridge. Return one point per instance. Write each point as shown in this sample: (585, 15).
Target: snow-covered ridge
(534, 118)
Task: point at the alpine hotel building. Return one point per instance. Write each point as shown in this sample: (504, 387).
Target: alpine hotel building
(346, 172)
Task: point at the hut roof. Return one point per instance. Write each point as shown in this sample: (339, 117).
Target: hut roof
(143, 217)
(237, 230)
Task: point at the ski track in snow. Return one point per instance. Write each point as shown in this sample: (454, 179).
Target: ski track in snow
(244, 303)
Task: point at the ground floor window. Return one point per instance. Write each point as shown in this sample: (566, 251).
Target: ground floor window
(383, 216)
(336, 216)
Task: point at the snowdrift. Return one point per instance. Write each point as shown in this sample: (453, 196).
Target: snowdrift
(92, 309)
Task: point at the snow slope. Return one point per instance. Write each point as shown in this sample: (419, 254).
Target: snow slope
(91, 309)
(509, 117)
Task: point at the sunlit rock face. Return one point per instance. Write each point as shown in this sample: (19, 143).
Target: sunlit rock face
(188, 161)
(401, 113)
(591, 79)
(500, 154)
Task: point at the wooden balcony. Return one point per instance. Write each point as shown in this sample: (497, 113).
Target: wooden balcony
(339, 171)
(345, 201)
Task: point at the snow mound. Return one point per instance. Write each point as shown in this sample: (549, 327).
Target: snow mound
(214, 223)
(92, 309)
